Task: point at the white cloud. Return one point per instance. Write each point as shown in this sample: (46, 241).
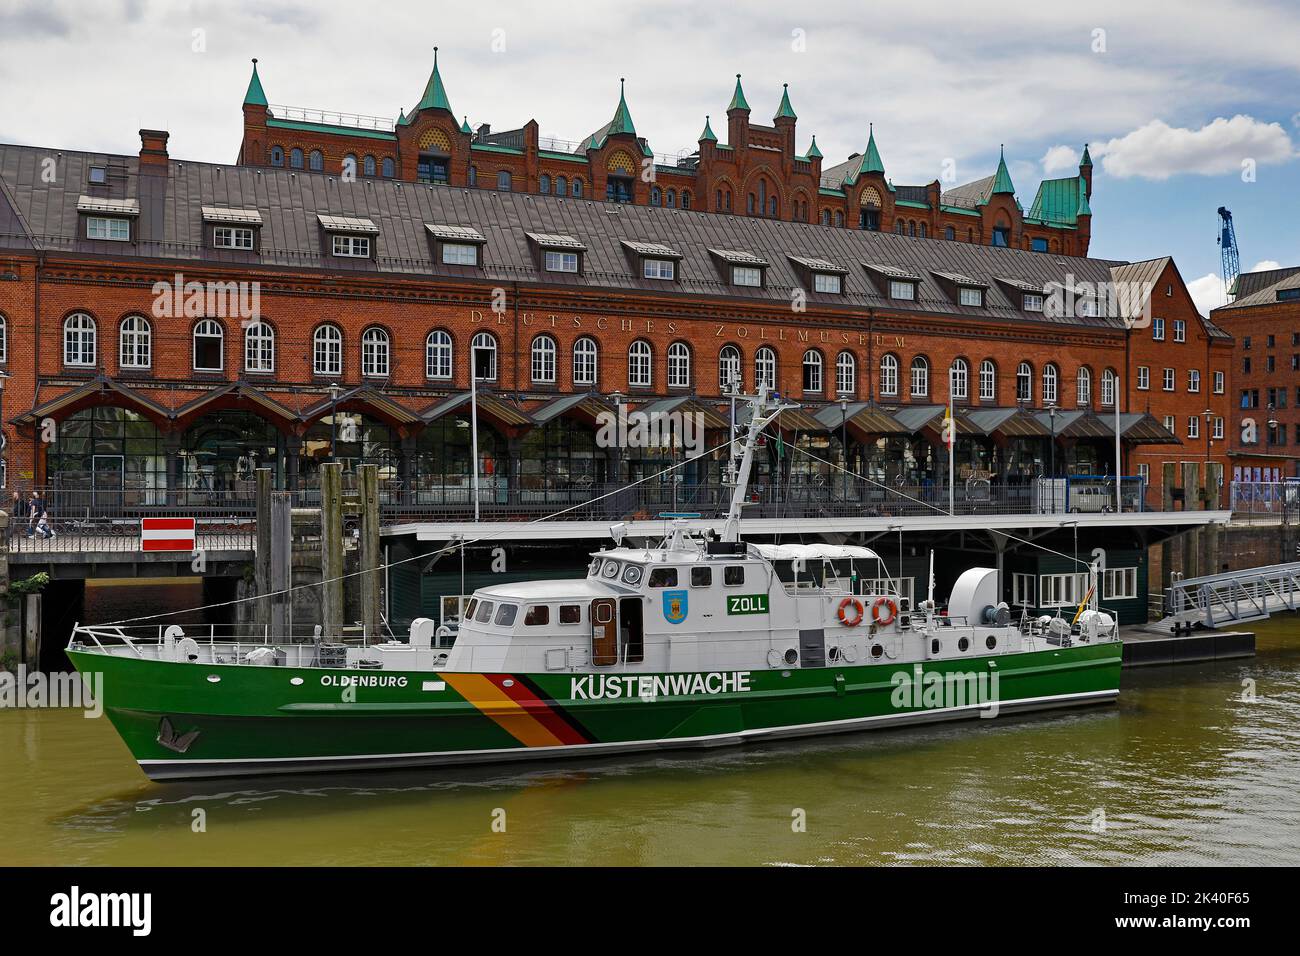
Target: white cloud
(1060, 159)
(1208, 291)
(1158, 150)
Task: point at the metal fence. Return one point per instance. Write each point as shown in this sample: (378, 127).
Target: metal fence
(121, 534)
(1274, 498)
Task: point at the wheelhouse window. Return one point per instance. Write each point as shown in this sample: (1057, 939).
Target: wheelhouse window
(663, 578)
(232, 237)
(543, 360)
(459, 254)
(658, 268)
(109, 228)
(351, 247)
(733, 575)
(484, 353)
(701, 577)
(765, 367)
(561, 261)
(747, 276)
(889, 375)
(679, 365)
(437, 355)
(537, 615)
(79, 340)
(374, 353)
(209, 338)
(259, 348)
(135, 343)
(327, 351)
(812, 371)
(639, 365)
(584, 361)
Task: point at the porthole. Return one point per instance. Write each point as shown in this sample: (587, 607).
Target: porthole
(295, 681)
(791, 656)
(632, 575)
(611, 569)
(507, 683)
(214, 679)
(990, 642)
(834, 655)
(877, 650)
(963, 644)
(935, 646)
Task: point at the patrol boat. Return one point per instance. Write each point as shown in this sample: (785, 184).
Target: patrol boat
(699, 642)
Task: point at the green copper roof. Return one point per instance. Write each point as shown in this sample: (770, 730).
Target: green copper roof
(813, 151)
(464, 127)
(435, 95)
(1085, 159)
(274, 123)
(871, 162)
(785, 110)
(255, 95)
(401, 117)
(738, 98)
(1059, 200)
(1084, 208)
(591, 143)
(1002, 179)
(622, 121)
(708, 132)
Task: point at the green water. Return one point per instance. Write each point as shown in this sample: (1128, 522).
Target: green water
(1184, 770)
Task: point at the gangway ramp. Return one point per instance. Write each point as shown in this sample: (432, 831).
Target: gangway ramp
(1233, 597)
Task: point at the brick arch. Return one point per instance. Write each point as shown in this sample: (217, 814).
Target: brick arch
(620, 162)
(435, 137)
(870, 197)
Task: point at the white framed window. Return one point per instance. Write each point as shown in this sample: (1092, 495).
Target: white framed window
(1218, 383)
(1167, 381)
(1083, 388)
(1158, 329)
(765, 367)
(437, 354)
(1193, 426)
(1180, 330)
(259, 348)
(1022, 590)
(889, 375)
(1171, 425)
(679, 365)
(79, 340)
(902, 290)
(232, 237)
(1119, 584)
(1144, 473)
(1051, 378)
(1024, 382)
(544, 352)
(209, 346)
(1193, 380)
(969, 296)
(1217, 433)
(1061, 590)
(352, 247)
(846, 374)
(959, 379)
(459, 254)
(812, 371)
(375, 353)
(1108, 388)
(327, 351)
(483, 356)
(988, 381)
(557, 261)
(827, 282)
(584, 361)
(135, 343)
(1032, 302)
(746, 275)
(1144, 378)
(920, 381)
(108, 227)
(639, 365)
(658, 268)
(729, 368)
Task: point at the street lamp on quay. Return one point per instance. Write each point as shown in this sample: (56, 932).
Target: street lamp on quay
(844, 442)
(1051, 448)
(334, 391)
(1209, 417)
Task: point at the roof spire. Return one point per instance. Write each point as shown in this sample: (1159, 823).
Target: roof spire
(738, 98)
(785, 111)
(1084, 160)
(435, 94)
(464, 127)
(622, 121)
(1002, 181)
(255, 96)
(813, 151)
(871, 161)
(1084, 209)
(708, 134)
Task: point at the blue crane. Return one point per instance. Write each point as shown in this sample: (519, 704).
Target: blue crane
(1228, 251)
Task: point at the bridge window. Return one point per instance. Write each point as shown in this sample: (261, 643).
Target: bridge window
(663, 578)
(733, 575)
(701, 577)
(570, 613)
(484, 612)
(538, 614)
(506, 615)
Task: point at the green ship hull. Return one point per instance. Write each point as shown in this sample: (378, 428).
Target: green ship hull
(195, 720)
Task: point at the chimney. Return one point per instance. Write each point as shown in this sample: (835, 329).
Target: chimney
(153, 151)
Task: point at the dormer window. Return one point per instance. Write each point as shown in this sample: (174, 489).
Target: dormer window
(902, 289)
(97, 175)
(232, 228)
(107, 227)
(1032, 302)
(350, 237)
(459, 254)
(894, 282)
(457, 245)
(742, 268)
(968, 295)
(232, 237)
(823, 275)
(108, 219)
(828, 282)
(657, 261)
(747, 276)
(658, 268)
(557, 261)
(559, 253)
(351, 247)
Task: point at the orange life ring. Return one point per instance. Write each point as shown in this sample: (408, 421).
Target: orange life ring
(888, 604)
(851, 602)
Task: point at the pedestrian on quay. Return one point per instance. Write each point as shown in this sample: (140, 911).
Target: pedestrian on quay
(17, 514)
(35, 508)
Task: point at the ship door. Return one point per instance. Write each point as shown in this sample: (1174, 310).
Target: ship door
(604, 633)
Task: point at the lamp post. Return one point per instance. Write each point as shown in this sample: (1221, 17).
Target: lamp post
(473, 426)
(334, 391)
(844, 443)
(1051, 448)
(1208, 414)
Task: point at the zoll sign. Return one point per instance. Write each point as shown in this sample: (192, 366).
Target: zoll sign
(167, 534)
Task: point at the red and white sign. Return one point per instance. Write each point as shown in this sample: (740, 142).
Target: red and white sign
(167, 534)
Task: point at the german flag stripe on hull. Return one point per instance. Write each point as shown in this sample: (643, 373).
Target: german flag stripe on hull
(516, 708)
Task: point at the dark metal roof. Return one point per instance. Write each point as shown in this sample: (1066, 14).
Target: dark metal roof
(489, 405)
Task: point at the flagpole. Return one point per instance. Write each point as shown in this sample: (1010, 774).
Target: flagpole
(952, 446)
(473, 426)
(1119, 470)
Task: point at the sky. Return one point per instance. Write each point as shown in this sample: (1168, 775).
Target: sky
(1187, 106)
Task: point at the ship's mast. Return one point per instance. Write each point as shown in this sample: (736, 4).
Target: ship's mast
(761, 412)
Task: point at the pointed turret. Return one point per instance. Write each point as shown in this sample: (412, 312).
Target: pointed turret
(1084, 209)
(813, 151)
(1002, 180)
(435, 94)
(622, 121)
(255, 95)
(401, 117)
(1084, 160)
(871, 162)
(785, 110)
(464, 127)
(738, 101)
(1085, 171)
(708, 135)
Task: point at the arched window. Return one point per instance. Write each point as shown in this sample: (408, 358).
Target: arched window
(561, 186)
(277, 155)
(686, 199)
(639, 365)
(771, 207)
(846, 374)
(949, 233)
(923, 230)
(327, 351)
(316, 161)
(812, 371)
(577, 189)
(374, 353)
(1050, 379)
(1108, 387)
(679, 365)
(543, 359)
(826, 217)
(656, 196)
(1024, 383)
(988, 381)
(503, 180)
(387, 167)
(765, 367)
(729, 369)
(584, 361)
(135, 343)
(839, 217)
(1083, 388)
(753, 204)
(483, 353)
(920, 385)
(350, 165)
(368, 166)
(295, 158)
(889, 375)
(473, 175)
(79, 340)
(959, 379)
(670, 198)
(259, 347)
(437, 355)
(543, 183)
(209, 338)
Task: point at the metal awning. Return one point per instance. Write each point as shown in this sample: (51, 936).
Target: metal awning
(1142, 428)
(110, 207)
(915, 418)
(586, 405)
(864, 417)
(238, 392)
(240, 217)
(688, 405)
(488, 404)
(100, 390)
(349, 224)
(1004, 422)
(1076, 423)
(372, 399)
